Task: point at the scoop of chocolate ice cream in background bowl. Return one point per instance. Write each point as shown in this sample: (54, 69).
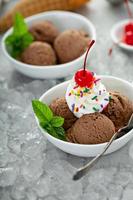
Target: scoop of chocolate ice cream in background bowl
(100, 136)
(46, 27)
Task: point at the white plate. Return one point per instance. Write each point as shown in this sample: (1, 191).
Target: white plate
(63, 20)
(117, 33)
(111, 83)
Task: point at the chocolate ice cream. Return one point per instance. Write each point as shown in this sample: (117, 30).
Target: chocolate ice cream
(119, 109)
(60, 108)
(91, 129)
(44, 31)
(39, 53)
(84, 33)
(70, 45)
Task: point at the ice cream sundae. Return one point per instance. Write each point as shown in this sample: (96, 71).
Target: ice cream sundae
(91, 113)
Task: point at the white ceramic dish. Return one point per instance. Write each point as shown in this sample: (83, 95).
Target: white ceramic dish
(117, 33)
(111, 83)
(63, 20)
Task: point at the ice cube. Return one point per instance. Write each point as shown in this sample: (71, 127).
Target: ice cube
(4, 194)
(18, 190)
(32, 167)
(30, 194)
(3, 83)
(7, 176)
(42, 186)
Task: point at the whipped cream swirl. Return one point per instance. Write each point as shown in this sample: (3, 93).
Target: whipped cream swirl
(84, 100)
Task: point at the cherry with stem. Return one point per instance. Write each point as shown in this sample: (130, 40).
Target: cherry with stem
(83, 77)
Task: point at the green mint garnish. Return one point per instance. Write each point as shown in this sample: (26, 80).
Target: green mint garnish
(20, 38)
(57, 121)
(42, 111)
(52, 124)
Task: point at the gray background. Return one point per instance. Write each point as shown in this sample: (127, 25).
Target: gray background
(32, 168)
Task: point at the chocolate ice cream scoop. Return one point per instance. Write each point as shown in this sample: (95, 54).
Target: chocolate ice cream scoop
(39, 53)
(91, 129)
(70, 44)
(119, 109)
(44, 31)
(60, 108)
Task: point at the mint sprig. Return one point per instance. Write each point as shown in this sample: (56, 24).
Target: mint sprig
(20, 38)
(52, 124)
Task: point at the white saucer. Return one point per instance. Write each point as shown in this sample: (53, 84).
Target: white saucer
(117, 32)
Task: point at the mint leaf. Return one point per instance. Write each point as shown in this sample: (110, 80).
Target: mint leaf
(15, 45)
(27, 39)
(61, 133)
(20, 38)
(42, 111)
(20, 27)
(57, 121)
(44, 123)
(52, 131)
(51, 124)
(60, 130)
(56, 132)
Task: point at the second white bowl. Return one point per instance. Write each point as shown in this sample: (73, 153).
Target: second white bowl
(111, 83)
(63, 20)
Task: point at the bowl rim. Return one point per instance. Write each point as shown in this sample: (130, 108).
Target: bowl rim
(76, 144)
(35, 17)
(115, 38)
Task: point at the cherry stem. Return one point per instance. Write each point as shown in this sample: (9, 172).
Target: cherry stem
(128, 9)
(90, 45)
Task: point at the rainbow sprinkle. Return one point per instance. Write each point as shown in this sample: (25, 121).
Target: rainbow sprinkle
(77, 109)
(73, 106)
(86, 90)
(100, 92)
(95, 109)
(95, 97)
(81, 93)
(75, 87)
(97, 80)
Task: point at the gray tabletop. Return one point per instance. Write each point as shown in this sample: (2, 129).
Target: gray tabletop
(33, 169)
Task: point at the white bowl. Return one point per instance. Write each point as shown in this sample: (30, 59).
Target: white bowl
(63, 20)
(117, 33)
(83, 150)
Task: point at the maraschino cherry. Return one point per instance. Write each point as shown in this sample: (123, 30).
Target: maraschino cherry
(83, 77)
(128, 29)
(128, 39)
